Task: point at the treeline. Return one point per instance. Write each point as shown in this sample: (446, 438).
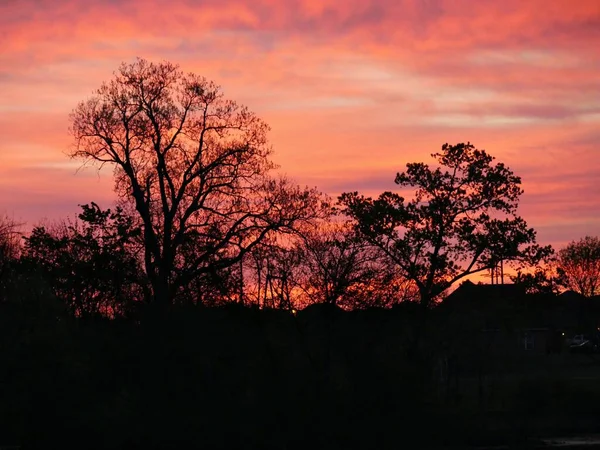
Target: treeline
(93, 266)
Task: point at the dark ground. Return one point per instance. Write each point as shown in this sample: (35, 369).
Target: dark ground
(242, 378)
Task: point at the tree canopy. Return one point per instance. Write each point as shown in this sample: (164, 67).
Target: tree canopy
(194, 164)
(91, 264)
(578, 266)
(460, 219)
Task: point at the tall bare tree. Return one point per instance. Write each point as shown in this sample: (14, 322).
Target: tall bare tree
(194, 163)
(578, 266)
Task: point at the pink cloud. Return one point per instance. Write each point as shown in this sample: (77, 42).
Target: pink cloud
(353, 90)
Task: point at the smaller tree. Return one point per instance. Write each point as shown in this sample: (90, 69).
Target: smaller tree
(540, 281)
(578, 266)
(10, 246)
(92, 264)
(271, 273)
(340, 267)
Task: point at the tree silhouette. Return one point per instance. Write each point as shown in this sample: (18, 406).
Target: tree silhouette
(578, 266)
(92, 264)
(461, 220)
(194, 164)
(338, 265)
(10, 246)
(540, 281)
(271, 274)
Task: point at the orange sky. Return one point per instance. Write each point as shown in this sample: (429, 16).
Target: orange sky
(352, 89)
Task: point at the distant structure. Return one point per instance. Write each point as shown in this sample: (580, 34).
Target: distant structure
(497, 272)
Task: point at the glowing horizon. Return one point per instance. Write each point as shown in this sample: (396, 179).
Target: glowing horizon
(352, 93)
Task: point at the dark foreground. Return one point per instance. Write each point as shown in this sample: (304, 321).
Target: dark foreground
(242, 378)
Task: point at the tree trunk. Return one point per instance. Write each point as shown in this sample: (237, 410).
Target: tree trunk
(162, 289)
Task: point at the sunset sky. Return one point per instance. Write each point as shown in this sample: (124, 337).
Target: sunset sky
(353, 90)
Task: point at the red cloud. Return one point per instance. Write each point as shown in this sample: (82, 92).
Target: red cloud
(353, 90)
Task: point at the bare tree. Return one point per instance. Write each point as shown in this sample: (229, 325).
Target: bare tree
(324, 262)
(195, 165)
(10, 238)
(578, 266)
(271, 274)
(336, 261)
(10, 245)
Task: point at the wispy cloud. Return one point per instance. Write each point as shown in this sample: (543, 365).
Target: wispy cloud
(353, 90)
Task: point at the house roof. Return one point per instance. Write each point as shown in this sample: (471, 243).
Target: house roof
(478, 292)
(570, 295)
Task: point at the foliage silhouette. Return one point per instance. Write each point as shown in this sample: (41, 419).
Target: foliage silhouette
(540, 281)
(10, 236)
(462, 219)
(340, 267)
(194, 164)
(272, 275)
(92, 265)
(578, 266)
(324, 262)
